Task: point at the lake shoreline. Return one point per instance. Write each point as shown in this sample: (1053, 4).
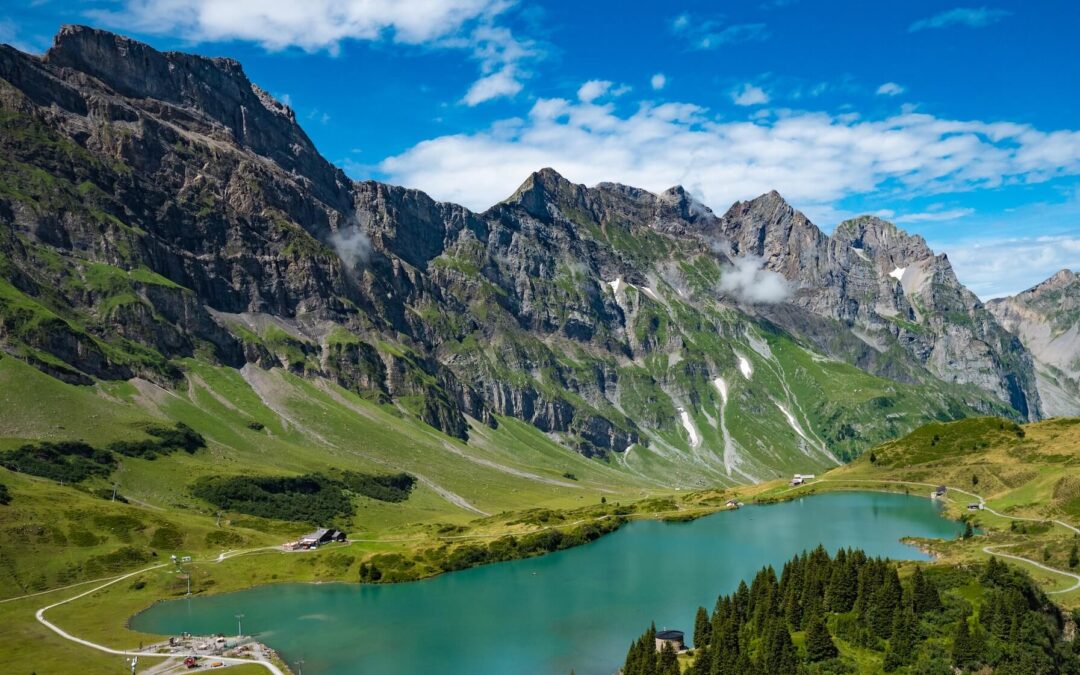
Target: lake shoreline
(803, 536)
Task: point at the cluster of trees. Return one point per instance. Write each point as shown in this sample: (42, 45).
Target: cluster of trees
(643, 658)
(792, 624)
(528, 545)
(75, 461)
(394, 487)
(5, 496)
(164, 440)
(311, 498)
(65, 462)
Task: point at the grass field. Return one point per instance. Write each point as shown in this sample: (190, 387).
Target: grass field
(508, 480)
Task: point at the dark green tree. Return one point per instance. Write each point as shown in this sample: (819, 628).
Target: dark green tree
(966, 645)
(819, 644)
(969, 531)
(702, 628)
(778, 651)
(924, 594)
(1074, 556)
(904, 639)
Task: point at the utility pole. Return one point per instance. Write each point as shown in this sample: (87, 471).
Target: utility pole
(239, 629)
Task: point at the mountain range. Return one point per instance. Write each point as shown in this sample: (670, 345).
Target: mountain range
(161, 215)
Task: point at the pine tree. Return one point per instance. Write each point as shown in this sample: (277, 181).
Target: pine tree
(778, 653)
(966, 645)
(701, 628)
(924, 594)
(902, 643)
(819, 644)
(884, 604)
(969, 531)
(1074, 556)
(669, 661)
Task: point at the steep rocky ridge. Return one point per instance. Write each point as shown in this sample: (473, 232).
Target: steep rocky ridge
(1046, 318)
(892, 291)
(159, 206)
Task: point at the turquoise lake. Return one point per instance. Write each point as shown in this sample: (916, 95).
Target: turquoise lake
(576, 609)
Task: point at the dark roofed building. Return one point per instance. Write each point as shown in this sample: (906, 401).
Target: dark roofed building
(672, 637)
(321, 536)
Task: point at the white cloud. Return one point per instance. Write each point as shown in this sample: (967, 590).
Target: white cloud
(890, 89)
(711, 33)
(501, 83)
(592, 90)
(971, 17)
(749, 94)
(933, 216)
(748, 282)
(813, 159)
(658, 81)
(323, 25)
(1006, 266)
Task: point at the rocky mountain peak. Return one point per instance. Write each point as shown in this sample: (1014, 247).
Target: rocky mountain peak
(770, 228)
(1060, 279)
(548, 188)
(685, 204)
(881, 240)
(212, 96)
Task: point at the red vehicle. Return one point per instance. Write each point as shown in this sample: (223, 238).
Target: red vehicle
(191, 662)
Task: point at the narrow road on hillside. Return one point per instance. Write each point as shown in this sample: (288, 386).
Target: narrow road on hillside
(990, 550)
(40, 616)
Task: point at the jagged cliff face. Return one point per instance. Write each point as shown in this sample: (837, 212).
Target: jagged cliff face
(157, 206)
(891, 291)
(1046, 318)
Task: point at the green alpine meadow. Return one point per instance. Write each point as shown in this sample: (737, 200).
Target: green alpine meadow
(417, 401)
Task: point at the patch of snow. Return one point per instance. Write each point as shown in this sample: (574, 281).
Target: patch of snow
(721, 387)
(859, 252)
(616, 285)
(744, 367)
(898, 273)
(688, 424)
(652, 294)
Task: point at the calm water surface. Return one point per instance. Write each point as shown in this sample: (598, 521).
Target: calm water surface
(576, 609)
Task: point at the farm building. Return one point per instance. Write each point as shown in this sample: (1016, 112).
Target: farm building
(939, 492)
(319, 537)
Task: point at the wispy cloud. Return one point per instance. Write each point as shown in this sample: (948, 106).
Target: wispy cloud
(890, 89)
(11, 35)
(658, 81)
(472, 26)
(971, 17)
(749, 94)
(712, 33)
(814, 159)
(933, 216)
(1006, 266)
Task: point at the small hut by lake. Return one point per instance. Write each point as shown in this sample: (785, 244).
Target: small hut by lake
(672, 637)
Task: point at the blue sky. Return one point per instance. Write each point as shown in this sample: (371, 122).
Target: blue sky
(958, 121)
